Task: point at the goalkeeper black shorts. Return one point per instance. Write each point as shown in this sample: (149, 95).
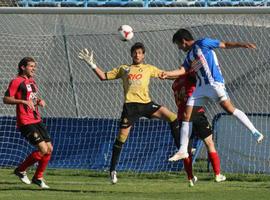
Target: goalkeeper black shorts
(133, 111)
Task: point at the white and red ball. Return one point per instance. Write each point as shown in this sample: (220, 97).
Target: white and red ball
(125, 32)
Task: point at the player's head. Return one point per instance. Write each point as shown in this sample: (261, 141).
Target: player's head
(137, 53)
(27, 66)
(183, 38)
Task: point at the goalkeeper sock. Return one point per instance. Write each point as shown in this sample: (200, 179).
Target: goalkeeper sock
(186, 129)
(215, 161)
(42, 164)
(117, 147)
(30, 160)
(175, 132)
(188, 167)
(242, 117)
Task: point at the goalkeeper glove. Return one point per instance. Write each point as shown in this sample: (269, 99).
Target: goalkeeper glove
(88, 58)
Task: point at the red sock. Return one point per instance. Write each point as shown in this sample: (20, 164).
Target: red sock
(188, 167)
(214, 159)
(30, 160)
(42, 164)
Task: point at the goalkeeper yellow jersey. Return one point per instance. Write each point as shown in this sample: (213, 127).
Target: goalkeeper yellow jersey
(136, 79)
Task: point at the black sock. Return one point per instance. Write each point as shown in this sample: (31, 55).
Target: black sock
(175, 132)
(117, 147)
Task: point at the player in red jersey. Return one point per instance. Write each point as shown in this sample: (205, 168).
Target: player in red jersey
(183, 88)
(22, 92)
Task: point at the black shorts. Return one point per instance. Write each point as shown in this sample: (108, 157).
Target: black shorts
(133, 111)
(201, 127)
(35, 133)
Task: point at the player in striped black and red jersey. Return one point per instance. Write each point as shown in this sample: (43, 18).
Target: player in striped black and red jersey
(22, 92)
(183, 88)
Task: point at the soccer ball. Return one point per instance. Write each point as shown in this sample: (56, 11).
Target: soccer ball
(125, 32)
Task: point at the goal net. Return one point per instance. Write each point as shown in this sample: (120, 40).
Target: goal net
(82, 112)
(238, 151)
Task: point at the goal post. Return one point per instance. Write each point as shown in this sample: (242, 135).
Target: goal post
(54, 36)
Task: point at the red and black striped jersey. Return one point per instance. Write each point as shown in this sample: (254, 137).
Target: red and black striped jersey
(25, 89)
(183, 87)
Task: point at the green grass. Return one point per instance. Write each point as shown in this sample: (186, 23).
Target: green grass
(82, 184)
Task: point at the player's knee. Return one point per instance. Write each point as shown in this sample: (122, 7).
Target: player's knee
(50, 149)
(210, 145)
(228, 107)
(186, 117)
(172, 117)
(228, 111)
(117, 144)
(43, 151)
(122, 138)
(45, 148)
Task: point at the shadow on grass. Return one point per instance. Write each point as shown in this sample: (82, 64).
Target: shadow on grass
(53, 190)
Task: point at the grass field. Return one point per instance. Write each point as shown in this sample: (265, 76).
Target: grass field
(82, 184)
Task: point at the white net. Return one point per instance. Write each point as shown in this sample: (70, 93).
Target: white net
(73, 92)
(238, 150)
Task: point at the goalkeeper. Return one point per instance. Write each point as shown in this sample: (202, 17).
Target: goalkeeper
(136, 78)
(183, 88)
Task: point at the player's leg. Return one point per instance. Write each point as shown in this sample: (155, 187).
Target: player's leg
(186, 129)
(188, 166)
(30, 132)
(43, 163)
(194, 103)
(242, 117)
(202, 128)
(117, 148)
(166, 114)
(45, 148)
(128, 117)
(214, 158)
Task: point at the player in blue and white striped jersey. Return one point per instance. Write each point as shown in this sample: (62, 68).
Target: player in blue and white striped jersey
(202, 60)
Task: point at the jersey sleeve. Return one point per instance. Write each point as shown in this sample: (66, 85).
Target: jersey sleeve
(186, 64)
(210, 43)
(155, 72)
(115, 73)
(12, 88)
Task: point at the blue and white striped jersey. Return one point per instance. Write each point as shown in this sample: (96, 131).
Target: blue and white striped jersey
(203, 60)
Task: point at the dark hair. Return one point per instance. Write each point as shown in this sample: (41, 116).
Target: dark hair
(182, 34)
(137, 45)
(24, 63)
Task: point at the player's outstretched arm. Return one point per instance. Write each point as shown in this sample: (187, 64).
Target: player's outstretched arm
(229, 45)
(89, 59)
(173, 74)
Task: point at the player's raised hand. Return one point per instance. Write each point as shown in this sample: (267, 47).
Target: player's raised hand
(87, 57)
(250, 46)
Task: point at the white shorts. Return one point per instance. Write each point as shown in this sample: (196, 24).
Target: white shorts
(216, 92)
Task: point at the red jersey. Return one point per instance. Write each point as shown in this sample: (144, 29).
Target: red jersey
(25, 89)
(183, 87)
